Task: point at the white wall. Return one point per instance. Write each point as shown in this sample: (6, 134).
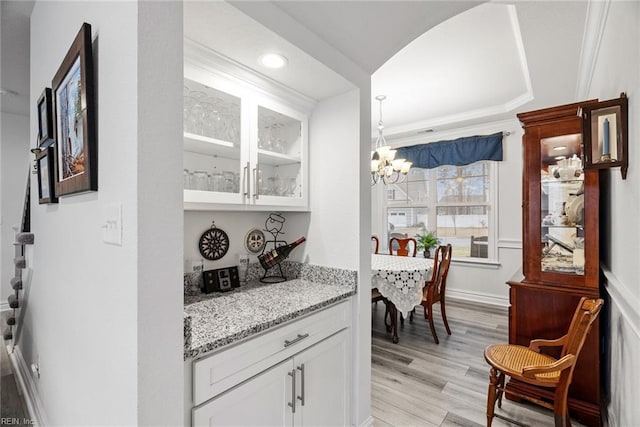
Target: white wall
(616, 69)
(14, 173)
(334, 181)
(477, 281)
(104, 321)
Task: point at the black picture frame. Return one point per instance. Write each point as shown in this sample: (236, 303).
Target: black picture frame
(76, 149)
(45, 119)
(46, 176)
(605, 132)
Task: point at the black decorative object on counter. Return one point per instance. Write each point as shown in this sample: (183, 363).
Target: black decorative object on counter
(214, 243)
(273, 225)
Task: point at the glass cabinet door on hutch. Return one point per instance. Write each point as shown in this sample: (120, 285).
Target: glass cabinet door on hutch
(559, 249)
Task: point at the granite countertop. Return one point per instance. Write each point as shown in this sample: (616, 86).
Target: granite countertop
(214, 320)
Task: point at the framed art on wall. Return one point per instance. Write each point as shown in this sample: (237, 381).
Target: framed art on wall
(76, 158)
(46, 187)
(605, 133)
(45, 119)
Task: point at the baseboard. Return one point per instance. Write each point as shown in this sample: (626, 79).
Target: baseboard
(476, 297)
(368, 422)
(27, 387)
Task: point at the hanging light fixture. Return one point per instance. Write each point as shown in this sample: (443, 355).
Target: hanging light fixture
(384, 166)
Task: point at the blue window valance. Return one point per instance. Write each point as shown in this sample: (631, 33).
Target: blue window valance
(457, 152)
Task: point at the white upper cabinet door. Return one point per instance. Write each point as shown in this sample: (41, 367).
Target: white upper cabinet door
(279, 143)
(216, 139)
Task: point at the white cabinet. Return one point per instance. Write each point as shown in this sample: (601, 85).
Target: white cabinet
(261, 401)
(312, 388)
(243, 149)
(323, 390)
(298, 373)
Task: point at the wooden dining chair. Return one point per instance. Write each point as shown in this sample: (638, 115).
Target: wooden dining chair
(434, 290)
(375, 241)
(528, 365)
(404, 246)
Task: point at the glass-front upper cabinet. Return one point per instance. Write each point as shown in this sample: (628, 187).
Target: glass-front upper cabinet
(279, 171)
(560, 200)
(243, 148)
(212, 144)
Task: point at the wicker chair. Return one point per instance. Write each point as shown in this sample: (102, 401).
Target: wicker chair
(530, 366)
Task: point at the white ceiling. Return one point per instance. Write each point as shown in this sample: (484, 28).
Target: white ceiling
(481, 66)
(467, 70)
(470, 66)
(224, 29)
(370, 32)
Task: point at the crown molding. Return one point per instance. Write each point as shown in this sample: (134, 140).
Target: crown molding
(597, 12)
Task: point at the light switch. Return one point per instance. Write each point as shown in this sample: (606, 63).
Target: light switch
(112, 227)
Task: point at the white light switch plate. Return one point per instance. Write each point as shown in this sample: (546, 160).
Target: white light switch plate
(112, 227)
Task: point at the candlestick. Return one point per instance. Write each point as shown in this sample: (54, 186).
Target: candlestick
(605, 135)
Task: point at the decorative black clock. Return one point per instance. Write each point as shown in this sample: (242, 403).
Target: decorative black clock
(214, 243)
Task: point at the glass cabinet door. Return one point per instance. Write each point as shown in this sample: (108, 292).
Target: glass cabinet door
(212, 144)
(562, 205)
(280, 151)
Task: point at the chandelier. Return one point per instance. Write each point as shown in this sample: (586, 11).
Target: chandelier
(384, 166)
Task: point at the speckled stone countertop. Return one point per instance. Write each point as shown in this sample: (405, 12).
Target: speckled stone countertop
(214, 320)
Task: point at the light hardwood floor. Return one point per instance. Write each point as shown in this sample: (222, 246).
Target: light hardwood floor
(419, 383)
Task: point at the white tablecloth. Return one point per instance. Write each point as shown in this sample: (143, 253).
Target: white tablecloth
(400, 279)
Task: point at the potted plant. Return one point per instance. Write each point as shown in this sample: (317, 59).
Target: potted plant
(426, 242)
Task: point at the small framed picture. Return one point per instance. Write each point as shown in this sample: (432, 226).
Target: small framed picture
(45, 119)
(605, 133)
(46, 183)
(76, 162)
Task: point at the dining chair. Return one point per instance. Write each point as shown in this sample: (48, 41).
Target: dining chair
(375, 241)
(434, 290)
(403, 246)
(528, 365)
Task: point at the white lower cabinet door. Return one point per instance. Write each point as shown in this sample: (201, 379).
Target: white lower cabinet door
(323, 383)
(261, 401)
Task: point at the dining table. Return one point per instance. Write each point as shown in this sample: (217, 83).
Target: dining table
(400, 280)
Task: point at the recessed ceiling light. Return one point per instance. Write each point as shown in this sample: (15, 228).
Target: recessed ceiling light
(273, 60)
(560, 148)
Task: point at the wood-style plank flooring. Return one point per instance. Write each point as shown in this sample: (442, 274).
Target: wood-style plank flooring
(419, 383)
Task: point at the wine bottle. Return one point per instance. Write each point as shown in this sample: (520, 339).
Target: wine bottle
(276, 256)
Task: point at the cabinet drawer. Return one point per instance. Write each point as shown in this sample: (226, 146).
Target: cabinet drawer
(216, 373)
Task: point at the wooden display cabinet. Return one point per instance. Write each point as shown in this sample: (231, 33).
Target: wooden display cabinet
(560, 249)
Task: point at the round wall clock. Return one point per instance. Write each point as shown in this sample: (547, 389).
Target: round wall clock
(214, 243)
(254, 241)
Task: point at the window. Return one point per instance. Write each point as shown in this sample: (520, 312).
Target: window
(455, 201)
